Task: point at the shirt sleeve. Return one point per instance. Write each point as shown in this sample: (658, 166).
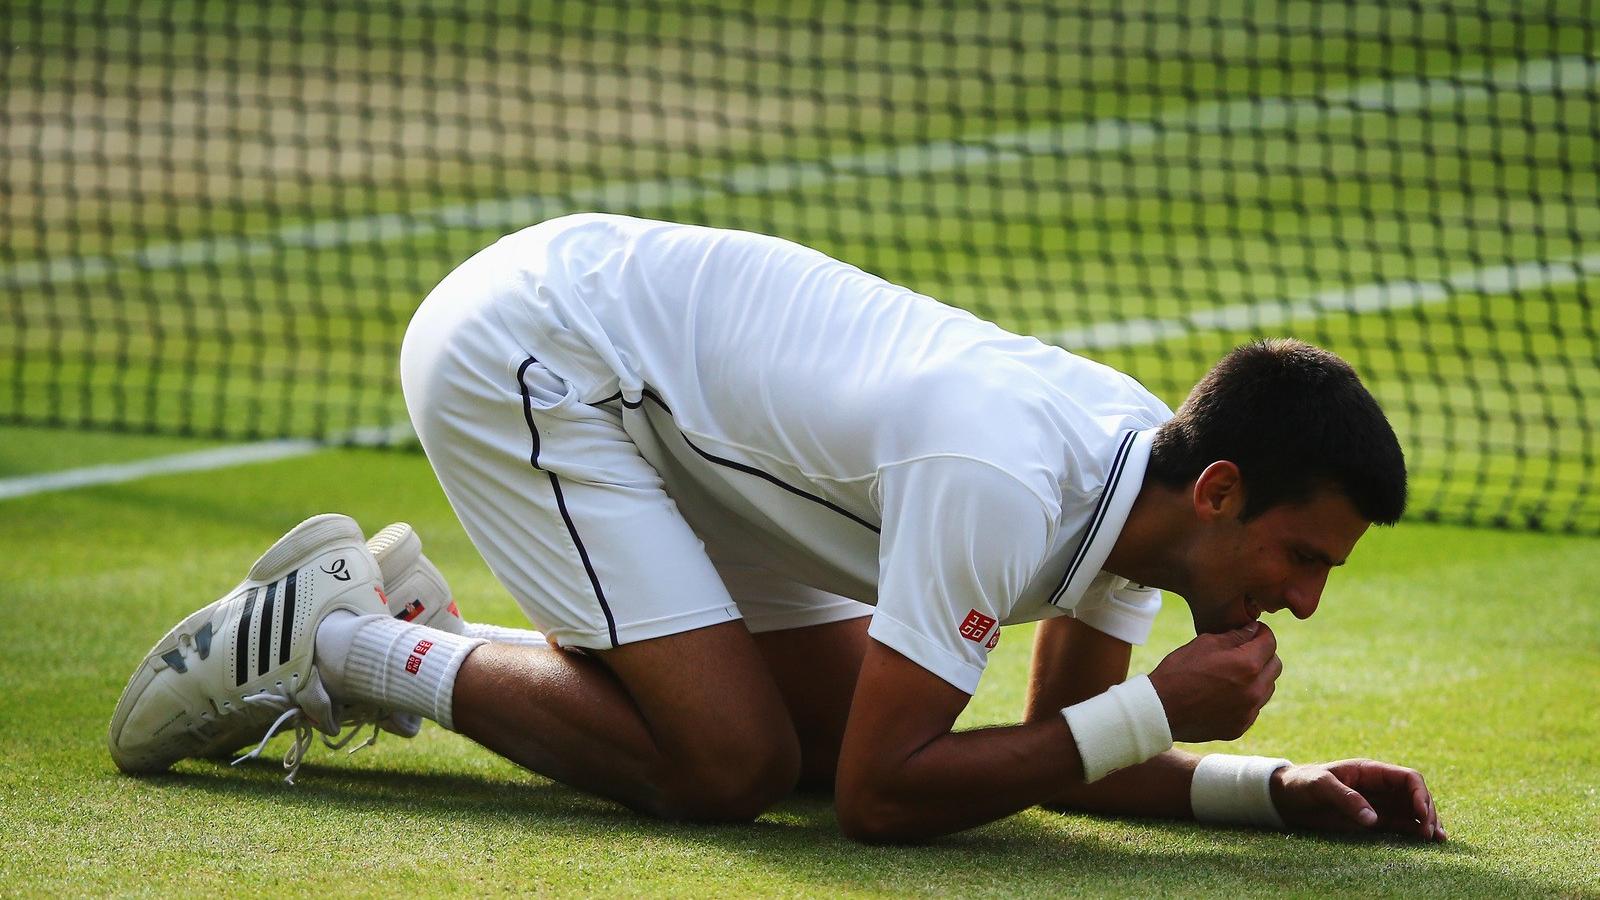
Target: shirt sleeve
(1120, 608)
(961, 539)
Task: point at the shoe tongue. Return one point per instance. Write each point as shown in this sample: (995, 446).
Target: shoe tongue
(318, 706)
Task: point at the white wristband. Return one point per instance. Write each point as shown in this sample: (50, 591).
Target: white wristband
(1122, 727)
(1235, 790)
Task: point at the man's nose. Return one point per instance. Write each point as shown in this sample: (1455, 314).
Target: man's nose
(1302, 597)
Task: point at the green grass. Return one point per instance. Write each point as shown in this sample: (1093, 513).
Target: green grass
(1472, 655)
(31, 450)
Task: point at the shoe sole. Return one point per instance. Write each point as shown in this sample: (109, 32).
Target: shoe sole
(395, 548)
(312, 533)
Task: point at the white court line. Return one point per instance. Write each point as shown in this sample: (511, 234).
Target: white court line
(1564, 74)
(218, 458)
(196, 461)
(1389, 295)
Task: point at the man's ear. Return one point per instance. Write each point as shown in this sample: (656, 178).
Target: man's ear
(1218, 492)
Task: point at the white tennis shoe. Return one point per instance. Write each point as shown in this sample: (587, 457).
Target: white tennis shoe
(243, 665)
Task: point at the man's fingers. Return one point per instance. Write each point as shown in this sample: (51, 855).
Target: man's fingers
(1242, 635)
(1420, 803)
(1347, 800)
(1263, 644)
(1379, 796)
(1272, 669)
(1408, 788)
(1268, 678)
(1422, 798)
(1408, 804)
(1404, 824)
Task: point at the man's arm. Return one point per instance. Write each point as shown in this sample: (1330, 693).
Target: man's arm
(1073, 662)
(903, 775)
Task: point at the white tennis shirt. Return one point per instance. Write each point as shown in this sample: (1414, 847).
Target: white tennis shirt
(849, 433)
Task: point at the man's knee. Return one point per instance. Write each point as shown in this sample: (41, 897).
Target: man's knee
(731, 780)
(726, 742)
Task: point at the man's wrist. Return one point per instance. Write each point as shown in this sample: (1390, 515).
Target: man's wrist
(1277, 786)
(1122, 727)
(1238, 790)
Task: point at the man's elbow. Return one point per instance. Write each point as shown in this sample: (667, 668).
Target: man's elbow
(871, 818)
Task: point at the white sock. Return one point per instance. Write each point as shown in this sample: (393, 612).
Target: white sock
(521, 637)
(396, 665)
(333, 638)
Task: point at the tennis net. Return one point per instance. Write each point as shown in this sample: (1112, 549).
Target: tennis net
(215, 218)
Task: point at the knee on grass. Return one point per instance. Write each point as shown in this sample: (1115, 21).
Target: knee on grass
(733, 782)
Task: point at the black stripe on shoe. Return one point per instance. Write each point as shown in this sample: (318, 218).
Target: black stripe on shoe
(287, 618)
(241, 641)
(202, 641)
(264, 642)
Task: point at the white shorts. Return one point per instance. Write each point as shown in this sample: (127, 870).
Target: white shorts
(571, 519)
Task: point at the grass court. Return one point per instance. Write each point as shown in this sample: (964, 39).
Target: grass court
(198, 248)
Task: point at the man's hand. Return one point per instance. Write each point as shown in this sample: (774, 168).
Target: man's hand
(1214, 686)
(1356, 795)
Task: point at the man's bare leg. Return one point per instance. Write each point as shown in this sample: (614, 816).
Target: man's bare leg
(815, 669)
(689, 726)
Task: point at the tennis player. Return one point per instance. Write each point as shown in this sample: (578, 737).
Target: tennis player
(770, 513)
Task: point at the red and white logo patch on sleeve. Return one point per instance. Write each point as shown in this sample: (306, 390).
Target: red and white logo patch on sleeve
(976, 626)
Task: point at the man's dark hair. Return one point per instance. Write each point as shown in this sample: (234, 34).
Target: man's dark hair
(1295, 419)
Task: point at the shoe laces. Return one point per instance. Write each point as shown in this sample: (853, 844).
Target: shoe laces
(292, 713)
(363, 720)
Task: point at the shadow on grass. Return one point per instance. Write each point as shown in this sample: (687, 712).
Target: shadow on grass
(1037, 852)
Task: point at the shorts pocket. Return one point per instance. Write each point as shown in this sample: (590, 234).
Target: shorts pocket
(542, 389)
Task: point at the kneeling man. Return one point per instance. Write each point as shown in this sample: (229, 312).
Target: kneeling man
(770, 513)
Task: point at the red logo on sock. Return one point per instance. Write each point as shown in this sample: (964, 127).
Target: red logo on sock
(414, 661)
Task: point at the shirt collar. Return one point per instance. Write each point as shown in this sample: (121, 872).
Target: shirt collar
(1123, 481)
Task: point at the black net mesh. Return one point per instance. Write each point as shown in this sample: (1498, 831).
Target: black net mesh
(215, 218)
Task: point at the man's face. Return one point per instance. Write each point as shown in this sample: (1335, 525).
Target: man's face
(1278, 560)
